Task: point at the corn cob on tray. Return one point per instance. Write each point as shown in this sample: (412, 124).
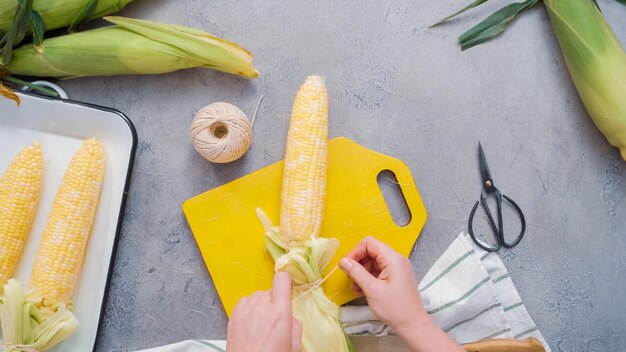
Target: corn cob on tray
(59, 128)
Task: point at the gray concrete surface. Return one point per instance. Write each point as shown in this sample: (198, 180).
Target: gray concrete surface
(400, 88)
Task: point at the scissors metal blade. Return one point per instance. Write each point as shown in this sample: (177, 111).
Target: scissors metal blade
(484, 168)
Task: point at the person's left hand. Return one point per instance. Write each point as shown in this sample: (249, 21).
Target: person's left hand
(264, 322)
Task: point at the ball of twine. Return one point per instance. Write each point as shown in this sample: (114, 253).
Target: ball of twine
(221, 133)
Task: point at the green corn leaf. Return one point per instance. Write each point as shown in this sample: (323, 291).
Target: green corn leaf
(38, 28)
(494, 24)
(468, 7)
(39, 89)
(20, 24)
(623, 2)
(83, 15)
(18, 30)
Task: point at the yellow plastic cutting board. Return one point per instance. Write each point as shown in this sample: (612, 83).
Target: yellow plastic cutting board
(230, 236)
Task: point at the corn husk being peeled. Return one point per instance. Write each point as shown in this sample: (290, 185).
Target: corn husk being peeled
(305, 263)
(59, 13)
(322, 330)
(129, 47)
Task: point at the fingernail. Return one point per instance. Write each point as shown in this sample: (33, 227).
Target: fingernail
(345, 264)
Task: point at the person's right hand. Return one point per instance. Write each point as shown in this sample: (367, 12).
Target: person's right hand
(387, 280)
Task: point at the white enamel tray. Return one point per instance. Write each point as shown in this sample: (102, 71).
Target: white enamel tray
(61, 126)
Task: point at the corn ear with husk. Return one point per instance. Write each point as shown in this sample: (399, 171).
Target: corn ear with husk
(596, 62)
(60, 13)
(593, 54)
(19, 18)
(295, 245)
(128, 47)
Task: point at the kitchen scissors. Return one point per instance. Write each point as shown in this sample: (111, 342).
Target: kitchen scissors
(489, 189)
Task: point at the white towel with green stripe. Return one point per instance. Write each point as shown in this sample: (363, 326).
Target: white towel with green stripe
(467, 292)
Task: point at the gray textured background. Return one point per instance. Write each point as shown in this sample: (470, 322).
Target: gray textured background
(400, 88)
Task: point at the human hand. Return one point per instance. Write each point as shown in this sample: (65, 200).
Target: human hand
(387, 280)
(263, 321)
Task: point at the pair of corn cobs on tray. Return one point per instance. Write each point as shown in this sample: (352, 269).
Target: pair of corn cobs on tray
(41, 317)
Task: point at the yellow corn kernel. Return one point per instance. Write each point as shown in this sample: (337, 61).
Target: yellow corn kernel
(62, 247)
(20, 189)
(306, 158)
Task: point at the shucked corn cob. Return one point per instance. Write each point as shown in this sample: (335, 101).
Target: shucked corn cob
(20, 189)
(303, 195)
(296, 246)
(62, 248)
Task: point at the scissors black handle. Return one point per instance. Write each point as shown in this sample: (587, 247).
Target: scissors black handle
(497, 229)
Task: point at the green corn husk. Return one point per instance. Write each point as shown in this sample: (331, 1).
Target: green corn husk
(596, 62)
(594, 56)
(23, 325)
(130, 47)
(59, 13)
(322, 330)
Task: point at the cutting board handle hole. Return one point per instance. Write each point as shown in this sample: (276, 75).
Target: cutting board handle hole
(394, 198)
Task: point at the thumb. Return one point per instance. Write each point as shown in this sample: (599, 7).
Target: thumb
(357, 273)
(296, 335)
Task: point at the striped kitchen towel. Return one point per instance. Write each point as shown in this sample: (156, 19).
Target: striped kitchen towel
(192, 346)
(468, 293)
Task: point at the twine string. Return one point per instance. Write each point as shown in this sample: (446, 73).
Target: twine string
(9, 347)
(313, 285)
(256, 109)
(221, 133)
